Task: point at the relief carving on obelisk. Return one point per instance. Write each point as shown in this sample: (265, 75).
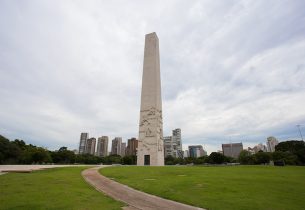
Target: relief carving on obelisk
(151, 126)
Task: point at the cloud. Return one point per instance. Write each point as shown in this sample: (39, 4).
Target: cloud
(231, 71)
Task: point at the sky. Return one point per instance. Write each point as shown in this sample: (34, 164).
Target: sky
(231, 71)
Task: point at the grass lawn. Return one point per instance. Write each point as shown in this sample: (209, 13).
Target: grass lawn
(219, 188)
(58, 188)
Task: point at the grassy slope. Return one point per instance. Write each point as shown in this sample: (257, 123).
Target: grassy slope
(239, 187)
(60, 188)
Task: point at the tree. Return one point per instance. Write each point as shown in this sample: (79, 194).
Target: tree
(262, 157)
(230, 159)
(245, 157)
(4, 145)
(63, 155)
(129, 160)
(216, 158)
(296, 148)
(287, 157)
(169, 160)
(179, 161)
(200, 160)
(291, 146)
(189, 160)
(20, 143)
(41, 155)
(112, 159)
(9, 152)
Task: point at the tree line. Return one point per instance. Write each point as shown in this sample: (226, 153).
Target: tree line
(18, 152)
(286, 153)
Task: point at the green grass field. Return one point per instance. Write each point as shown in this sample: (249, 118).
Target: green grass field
(220, 188)
(58, 188)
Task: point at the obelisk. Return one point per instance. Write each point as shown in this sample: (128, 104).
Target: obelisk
(150, 145)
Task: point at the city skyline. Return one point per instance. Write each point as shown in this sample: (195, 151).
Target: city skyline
(230, 72)
(173, 146)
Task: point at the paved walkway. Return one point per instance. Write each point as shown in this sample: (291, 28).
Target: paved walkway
(29, 168)
(135, 199)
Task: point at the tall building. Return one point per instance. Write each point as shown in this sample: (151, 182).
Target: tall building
(123, 149)
(102, 146)
(150, 145)
(90, 146)
(232, 150)
(83, 142)
(177, 144)
(173, 144)
(271, 143)
(116, 146)
(132, 146)
(168, 146)
(196, 151)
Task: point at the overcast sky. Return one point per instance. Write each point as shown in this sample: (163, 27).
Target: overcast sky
(231, 71)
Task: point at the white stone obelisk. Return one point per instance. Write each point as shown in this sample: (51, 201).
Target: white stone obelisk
(150, 146)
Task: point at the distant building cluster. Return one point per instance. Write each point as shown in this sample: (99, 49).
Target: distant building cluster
(269, 147)
(88, 146)
(257, 148)
(172, 146)
(233, 149)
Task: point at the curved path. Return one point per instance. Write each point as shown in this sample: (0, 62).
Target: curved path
(134, 198)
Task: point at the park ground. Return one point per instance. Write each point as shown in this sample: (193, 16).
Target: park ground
(57, 188)
(218, 188)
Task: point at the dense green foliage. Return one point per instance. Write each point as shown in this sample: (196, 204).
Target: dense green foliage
(17, 152)
(288, 152)
(245, 157)
(259, 158)
(58, 188)
(293, 151)
(213, 158)
(219, 187)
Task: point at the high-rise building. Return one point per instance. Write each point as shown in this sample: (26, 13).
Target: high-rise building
(196, 151)
(177, 144)
(132, 146)
(102, 146)
(116, 146)
(90, 146)
(173, 144)
(168, 146)
(83, 142)
(271, 143)
(232, 150)
(150, 148)
(123, 149)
